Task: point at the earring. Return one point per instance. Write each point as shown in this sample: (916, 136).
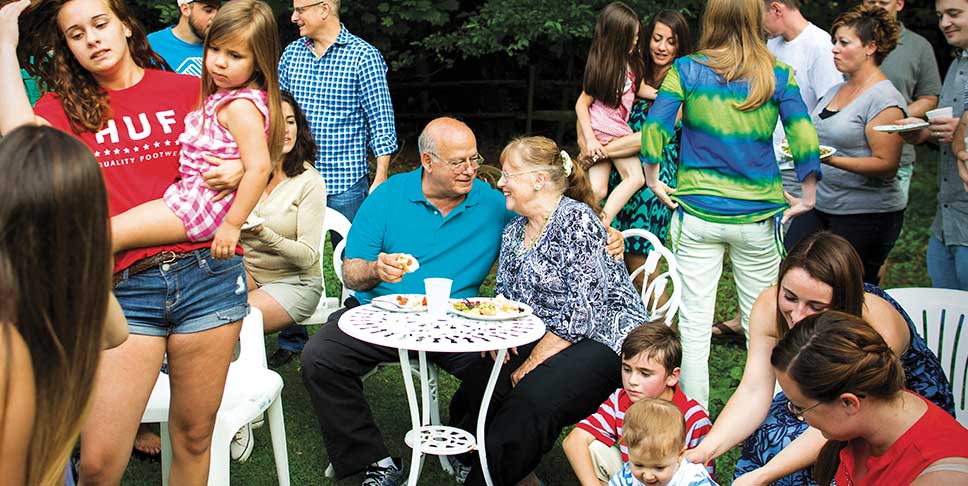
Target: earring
(537, 187)
(868, 56)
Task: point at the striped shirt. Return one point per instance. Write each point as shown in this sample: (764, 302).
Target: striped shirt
(727, 169)
(346, 99)
(606, 424)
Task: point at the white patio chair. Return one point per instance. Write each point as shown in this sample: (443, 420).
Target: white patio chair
(939, 316)
(332, 221)
(251, 389)
(652, 290)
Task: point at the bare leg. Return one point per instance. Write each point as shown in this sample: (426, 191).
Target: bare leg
(625, 146)
(274, 316)
(632, 180)
(197, 365)
(598, 177)
(125, 378)
(150, 224)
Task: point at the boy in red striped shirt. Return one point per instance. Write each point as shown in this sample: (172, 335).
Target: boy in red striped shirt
(651, 357)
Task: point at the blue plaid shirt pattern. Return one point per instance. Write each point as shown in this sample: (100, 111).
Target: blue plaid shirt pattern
(345, 96)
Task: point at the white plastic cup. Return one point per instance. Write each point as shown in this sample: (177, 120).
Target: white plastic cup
(438, 295)
(944, 112)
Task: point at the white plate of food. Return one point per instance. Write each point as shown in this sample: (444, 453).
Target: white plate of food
(401, 302)
(825, 151)
(908, 127)
(489, 309)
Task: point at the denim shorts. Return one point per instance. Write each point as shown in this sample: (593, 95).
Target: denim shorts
(193, 294)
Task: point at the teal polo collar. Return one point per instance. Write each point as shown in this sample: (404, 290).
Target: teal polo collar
(413, 187)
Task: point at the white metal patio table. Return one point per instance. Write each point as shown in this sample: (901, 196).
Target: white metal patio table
(421, 332)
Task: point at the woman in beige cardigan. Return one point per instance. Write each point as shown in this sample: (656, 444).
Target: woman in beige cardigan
(282, 253)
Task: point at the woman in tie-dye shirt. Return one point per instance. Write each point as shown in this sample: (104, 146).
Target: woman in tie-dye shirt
(729, 191)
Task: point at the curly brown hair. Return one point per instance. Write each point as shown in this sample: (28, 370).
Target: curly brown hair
(871, 24)
(44, 53)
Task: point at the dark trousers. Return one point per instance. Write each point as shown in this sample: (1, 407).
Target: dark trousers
(872, 234)
(332, 366)
(525, 421)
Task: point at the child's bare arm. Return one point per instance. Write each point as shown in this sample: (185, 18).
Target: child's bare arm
(592, 146)
(576, 450)
(647, 92)
(247, 126)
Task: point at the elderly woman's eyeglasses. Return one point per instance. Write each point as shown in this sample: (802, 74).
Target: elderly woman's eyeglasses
(508, 175)
(798, 412)
(301, 10)
(461, 165)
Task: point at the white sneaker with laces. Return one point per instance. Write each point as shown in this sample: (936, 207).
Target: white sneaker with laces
(242, 444)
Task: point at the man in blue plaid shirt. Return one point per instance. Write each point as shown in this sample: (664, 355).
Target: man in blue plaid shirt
(339, 81)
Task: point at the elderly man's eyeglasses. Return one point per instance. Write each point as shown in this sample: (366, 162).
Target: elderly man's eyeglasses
(473, 161)
(301, 10)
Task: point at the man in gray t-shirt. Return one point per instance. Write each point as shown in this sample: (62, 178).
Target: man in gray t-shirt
(947, 256)
(913, 70)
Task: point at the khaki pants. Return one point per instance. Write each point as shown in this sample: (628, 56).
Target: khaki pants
(606, 460)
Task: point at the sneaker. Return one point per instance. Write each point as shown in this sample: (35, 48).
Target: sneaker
(242, 444)
(281, 357)
(385, 476)
(461, 470)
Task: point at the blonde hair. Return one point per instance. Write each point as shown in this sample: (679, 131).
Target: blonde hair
(543, 153)
(732, 41)
(252, 22)
(54, 215)
(654, 427)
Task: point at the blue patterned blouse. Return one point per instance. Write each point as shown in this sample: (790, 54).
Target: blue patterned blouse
(577, 289)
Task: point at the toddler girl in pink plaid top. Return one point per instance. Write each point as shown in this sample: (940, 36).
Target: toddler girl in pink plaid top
(239, 119)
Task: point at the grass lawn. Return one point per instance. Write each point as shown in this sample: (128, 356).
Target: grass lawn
(385, 391)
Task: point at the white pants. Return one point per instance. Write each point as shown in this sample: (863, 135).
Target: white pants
(699, 247)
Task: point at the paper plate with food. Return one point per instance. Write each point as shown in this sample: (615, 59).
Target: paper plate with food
(401, 302)
(902, 127)
(825, 151)
(489, 309)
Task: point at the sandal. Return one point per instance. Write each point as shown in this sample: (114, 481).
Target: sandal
(727, 335)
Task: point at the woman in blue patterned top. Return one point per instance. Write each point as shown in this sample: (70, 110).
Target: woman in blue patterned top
(822, 272)
(553, 258)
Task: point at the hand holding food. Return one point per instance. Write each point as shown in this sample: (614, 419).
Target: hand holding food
(407, 262)
(388, 269)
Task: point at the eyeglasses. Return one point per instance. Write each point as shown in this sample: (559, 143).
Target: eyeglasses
(474, 161)
(798, 412)
(508, 175)
(299, 10)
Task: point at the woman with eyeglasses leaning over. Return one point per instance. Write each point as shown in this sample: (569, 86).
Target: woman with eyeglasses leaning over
(844, 380)
(822, 272)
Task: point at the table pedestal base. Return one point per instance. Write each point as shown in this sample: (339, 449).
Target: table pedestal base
(441, 440)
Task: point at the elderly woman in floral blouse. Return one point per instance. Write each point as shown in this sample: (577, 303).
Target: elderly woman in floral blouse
(553, 258)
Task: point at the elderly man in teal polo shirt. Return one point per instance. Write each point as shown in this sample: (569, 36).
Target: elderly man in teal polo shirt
(451, 222)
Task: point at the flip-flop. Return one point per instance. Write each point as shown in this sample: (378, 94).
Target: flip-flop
(727, 335)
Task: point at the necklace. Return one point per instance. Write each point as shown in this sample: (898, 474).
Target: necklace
(526, 243)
